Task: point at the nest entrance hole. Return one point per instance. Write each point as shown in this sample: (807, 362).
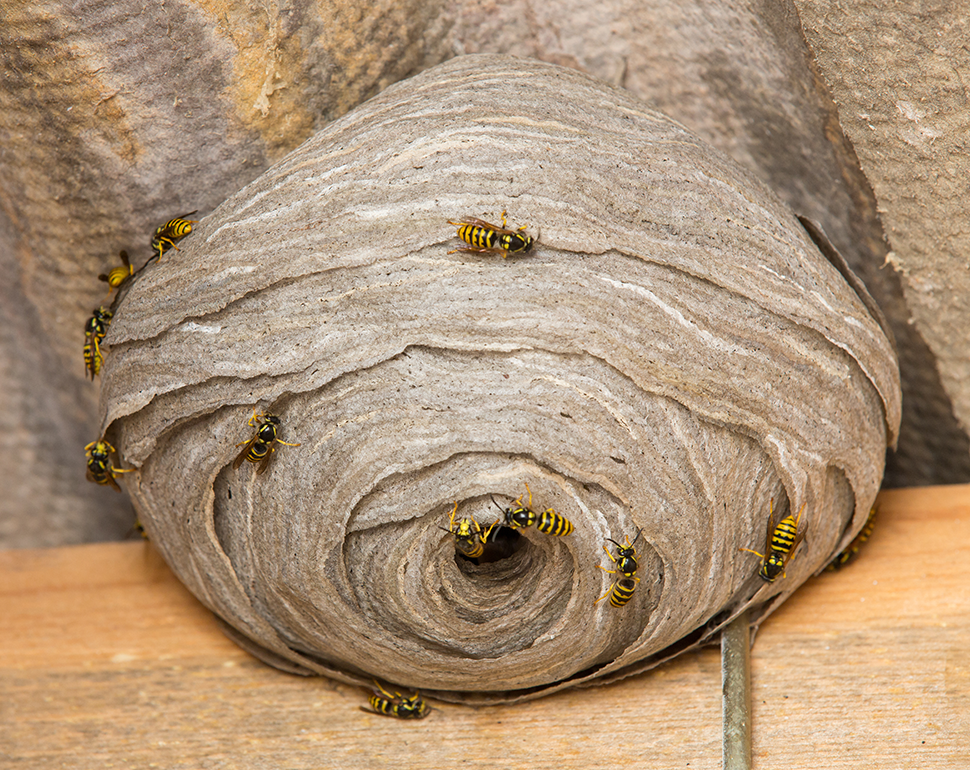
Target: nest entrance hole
(502, 543)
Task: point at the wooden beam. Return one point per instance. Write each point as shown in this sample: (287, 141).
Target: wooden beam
(107, 661)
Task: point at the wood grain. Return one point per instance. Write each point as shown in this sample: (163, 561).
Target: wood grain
(106, 661)
(895, 137)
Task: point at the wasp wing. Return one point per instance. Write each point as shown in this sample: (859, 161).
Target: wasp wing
(242, 455)
(264, 464)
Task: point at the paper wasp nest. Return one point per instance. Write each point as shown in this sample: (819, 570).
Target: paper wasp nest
(673, 354)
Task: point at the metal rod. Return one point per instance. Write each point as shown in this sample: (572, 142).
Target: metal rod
(736, 694)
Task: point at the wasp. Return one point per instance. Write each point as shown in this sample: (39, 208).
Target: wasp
(139, 528)
(626, 567)
(118, 275)
(521, 516)
(397, 705)
(778, 545)
(94, 331)
(174, 230)
(469, 539)
(100, 470)
(852, 550)
(485, 238)
(259, 448)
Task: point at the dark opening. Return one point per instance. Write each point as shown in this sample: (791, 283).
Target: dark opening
(502, 543)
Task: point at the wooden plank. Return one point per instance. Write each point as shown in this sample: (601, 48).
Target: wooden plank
(870, 666)
(106, 661)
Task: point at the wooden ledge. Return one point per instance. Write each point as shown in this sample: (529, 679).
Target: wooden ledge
(107, 661)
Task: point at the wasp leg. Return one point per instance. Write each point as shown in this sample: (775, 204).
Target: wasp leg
(754, 552)
(471, 250)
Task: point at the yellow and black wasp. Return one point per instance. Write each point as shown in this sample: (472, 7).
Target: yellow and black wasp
(100, 470)
(626, 567)
(852, 550)
(94, 331)
(261, 446)
(166, 235)
(118, 275)
(779, 543)
(469, 538)
(521, 516)
(397, 705)
(139, 528)
(485, 238)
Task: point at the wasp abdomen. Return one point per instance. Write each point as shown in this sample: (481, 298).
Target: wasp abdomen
(622, 591)
(552, 523)
(477, 236)
(784, 535)
(93, 358)
(118, 275)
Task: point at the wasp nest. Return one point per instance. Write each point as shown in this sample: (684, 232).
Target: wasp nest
(672, 355)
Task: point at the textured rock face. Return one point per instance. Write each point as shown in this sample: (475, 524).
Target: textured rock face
(672, 355)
